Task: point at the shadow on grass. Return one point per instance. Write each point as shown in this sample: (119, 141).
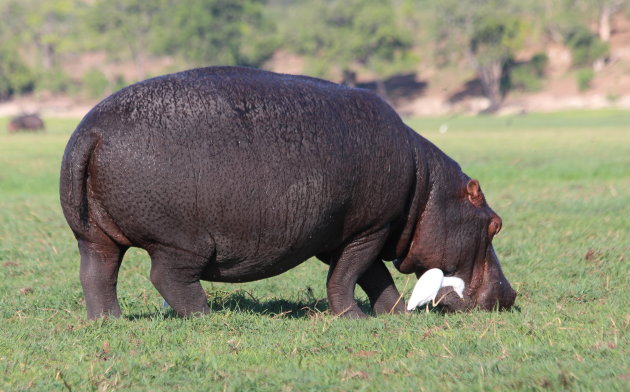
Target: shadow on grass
(244, 302)
(439, 309)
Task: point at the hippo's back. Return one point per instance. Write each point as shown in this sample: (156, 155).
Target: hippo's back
(245, 164)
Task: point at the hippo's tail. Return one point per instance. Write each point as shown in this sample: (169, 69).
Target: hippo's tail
(73, 182)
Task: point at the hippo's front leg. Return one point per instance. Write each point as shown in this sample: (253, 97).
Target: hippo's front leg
(378, 284)
(346, 267)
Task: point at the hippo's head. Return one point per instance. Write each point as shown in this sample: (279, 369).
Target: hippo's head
(454, 233)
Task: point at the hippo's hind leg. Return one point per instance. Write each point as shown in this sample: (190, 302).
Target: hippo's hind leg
(176, 273)
(99, 274)
(378, 284)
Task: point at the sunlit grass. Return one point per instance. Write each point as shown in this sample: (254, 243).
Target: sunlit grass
(561, 183)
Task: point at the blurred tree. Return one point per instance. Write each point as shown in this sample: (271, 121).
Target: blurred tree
(351, 35)
(337, 37)
(605, 10)
(560, 17)
(586, 47)
(126, 27)
(490, 32)
(49, 27)
(15, 75)
(493, 42)
(213, 32)
(570, 22)
(36, 30)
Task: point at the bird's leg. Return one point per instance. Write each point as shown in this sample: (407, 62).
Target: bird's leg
(439, 300)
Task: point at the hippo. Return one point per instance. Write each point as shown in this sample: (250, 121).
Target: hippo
(26, 122)
(233, 174)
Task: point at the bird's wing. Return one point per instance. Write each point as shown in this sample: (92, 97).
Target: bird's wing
(426, 288)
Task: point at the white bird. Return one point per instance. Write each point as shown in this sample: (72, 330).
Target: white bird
(429, 284)
(426, 288)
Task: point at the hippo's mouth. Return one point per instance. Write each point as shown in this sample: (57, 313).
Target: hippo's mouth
(448, 301)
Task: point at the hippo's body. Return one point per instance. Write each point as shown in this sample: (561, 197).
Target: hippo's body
(234, 174)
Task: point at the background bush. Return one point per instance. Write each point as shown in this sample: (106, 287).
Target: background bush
(527, 76)
(585, 47)
(55, 81)
(15, 76)
(95, 83)
(584, 77)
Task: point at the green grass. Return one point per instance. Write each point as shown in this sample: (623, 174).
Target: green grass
(561, 183)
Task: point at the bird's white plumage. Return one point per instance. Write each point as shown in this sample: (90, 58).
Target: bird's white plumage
(456, 283)
(429, 284)
(426, 288)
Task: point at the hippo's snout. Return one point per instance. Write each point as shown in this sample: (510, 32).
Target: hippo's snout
(450, 302)
(495, 291)
(502, 296)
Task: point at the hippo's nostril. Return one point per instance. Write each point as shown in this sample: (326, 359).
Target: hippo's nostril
(507, 299)
(511, 299)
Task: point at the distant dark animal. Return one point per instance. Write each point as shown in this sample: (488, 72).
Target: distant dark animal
(233, 174)
(26, 122)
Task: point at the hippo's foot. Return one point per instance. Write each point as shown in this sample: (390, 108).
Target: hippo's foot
(99, 273)
(175, 274)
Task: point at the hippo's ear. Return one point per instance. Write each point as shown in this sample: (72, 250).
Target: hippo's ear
(475, 196)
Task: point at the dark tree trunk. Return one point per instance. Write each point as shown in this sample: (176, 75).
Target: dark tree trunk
(609, 8)
(490, 73)
(49, 56)
(381, 89)
(604, 22)
(47, 52)
(490, 77)
(138, 60)
(349, 78)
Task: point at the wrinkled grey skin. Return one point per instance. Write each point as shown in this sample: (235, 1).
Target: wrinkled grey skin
(233, 174)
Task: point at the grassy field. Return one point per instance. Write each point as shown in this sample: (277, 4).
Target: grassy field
(560, 182)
